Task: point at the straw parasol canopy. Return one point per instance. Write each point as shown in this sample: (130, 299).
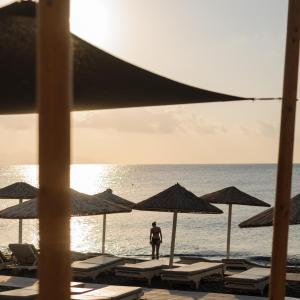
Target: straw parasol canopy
(109, 196)
(177, 199)
(265, 218)
(19, 190)
(82, 205)
(230, 196)
(101, 80)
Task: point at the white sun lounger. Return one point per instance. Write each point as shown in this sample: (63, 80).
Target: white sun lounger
(31, 292)
(112, 292)
(92, 267)
(143, 270)
(16, 282)
(24, 282)
(193, 272)
(252, 279)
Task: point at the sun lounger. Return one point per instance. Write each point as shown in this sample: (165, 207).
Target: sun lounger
(24, 293)
(239, 263)
(252, 279)
(4, 262)
(144, 270)
(193, 272)
(112, 292)
(31, 292)
(16, 282)
(92, 267)
(25, 256)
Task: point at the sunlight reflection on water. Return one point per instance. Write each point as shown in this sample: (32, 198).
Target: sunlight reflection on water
(128, 234)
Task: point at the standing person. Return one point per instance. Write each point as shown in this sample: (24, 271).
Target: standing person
(155, 240)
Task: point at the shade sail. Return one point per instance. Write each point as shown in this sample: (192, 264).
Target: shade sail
(110, 196)
(232, 195)
(177, 198)
(100, 80)
(265, 218)
(82, 205)
(18, 190)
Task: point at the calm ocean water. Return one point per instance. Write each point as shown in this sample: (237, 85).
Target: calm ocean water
(197, 234)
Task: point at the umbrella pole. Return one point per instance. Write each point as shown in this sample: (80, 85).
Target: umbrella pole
(20, 226)
(285, 157)
(103, 233)
(173, 239)
(229, 231)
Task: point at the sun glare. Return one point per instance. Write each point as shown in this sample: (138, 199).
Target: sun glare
(90, 179)
(92, 20)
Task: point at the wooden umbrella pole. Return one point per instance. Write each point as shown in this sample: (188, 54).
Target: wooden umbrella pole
(103, 233)
(54, 102)
(20, 238)
(285, 160)
(173, 239)
(229, 231)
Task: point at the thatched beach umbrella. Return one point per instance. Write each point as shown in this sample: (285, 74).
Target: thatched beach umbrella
(265, 218)
(21, 191)
(81, 204)
(230, 196)
(177, 199)
(101, 80)
(109, 196)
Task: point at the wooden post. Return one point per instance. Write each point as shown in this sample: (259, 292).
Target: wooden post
(103, 233)
(54, 101)
(20, 238)
(173, 239)
(285, 160)
(229, 231)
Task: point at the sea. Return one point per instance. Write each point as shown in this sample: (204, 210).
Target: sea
(197, 234)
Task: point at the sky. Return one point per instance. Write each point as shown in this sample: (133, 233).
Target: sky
(231, 46)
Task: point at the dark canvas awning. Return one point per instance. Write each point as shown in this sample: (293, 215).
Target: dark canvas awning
(100, 79)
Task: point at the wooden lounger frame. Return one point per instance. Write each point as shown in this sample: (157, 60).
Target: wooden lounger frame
(251, 286)
(148, 275)
(195, 278)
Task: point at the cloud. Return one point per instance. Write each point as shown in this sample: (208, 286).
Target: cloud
(18, 122)
(268, 130)
(147, 121)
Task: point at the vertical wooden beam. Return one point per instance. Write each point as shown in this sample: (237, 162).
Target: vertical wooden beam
(285, 160)
(20, 239)
(103, 233)
(229, 230)
(54, 99)
(173, 239)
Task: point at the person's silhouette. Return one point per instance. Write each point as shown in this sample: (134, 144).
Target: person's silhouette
(155, 240)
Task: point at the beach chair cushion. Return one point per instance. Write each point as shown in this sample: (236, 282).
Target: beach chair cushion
(95, 263)
(113, 292)
(250, 276)
(103, 259)
(192, 269)
(144, 266)
(23, 293)
(16, 282)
